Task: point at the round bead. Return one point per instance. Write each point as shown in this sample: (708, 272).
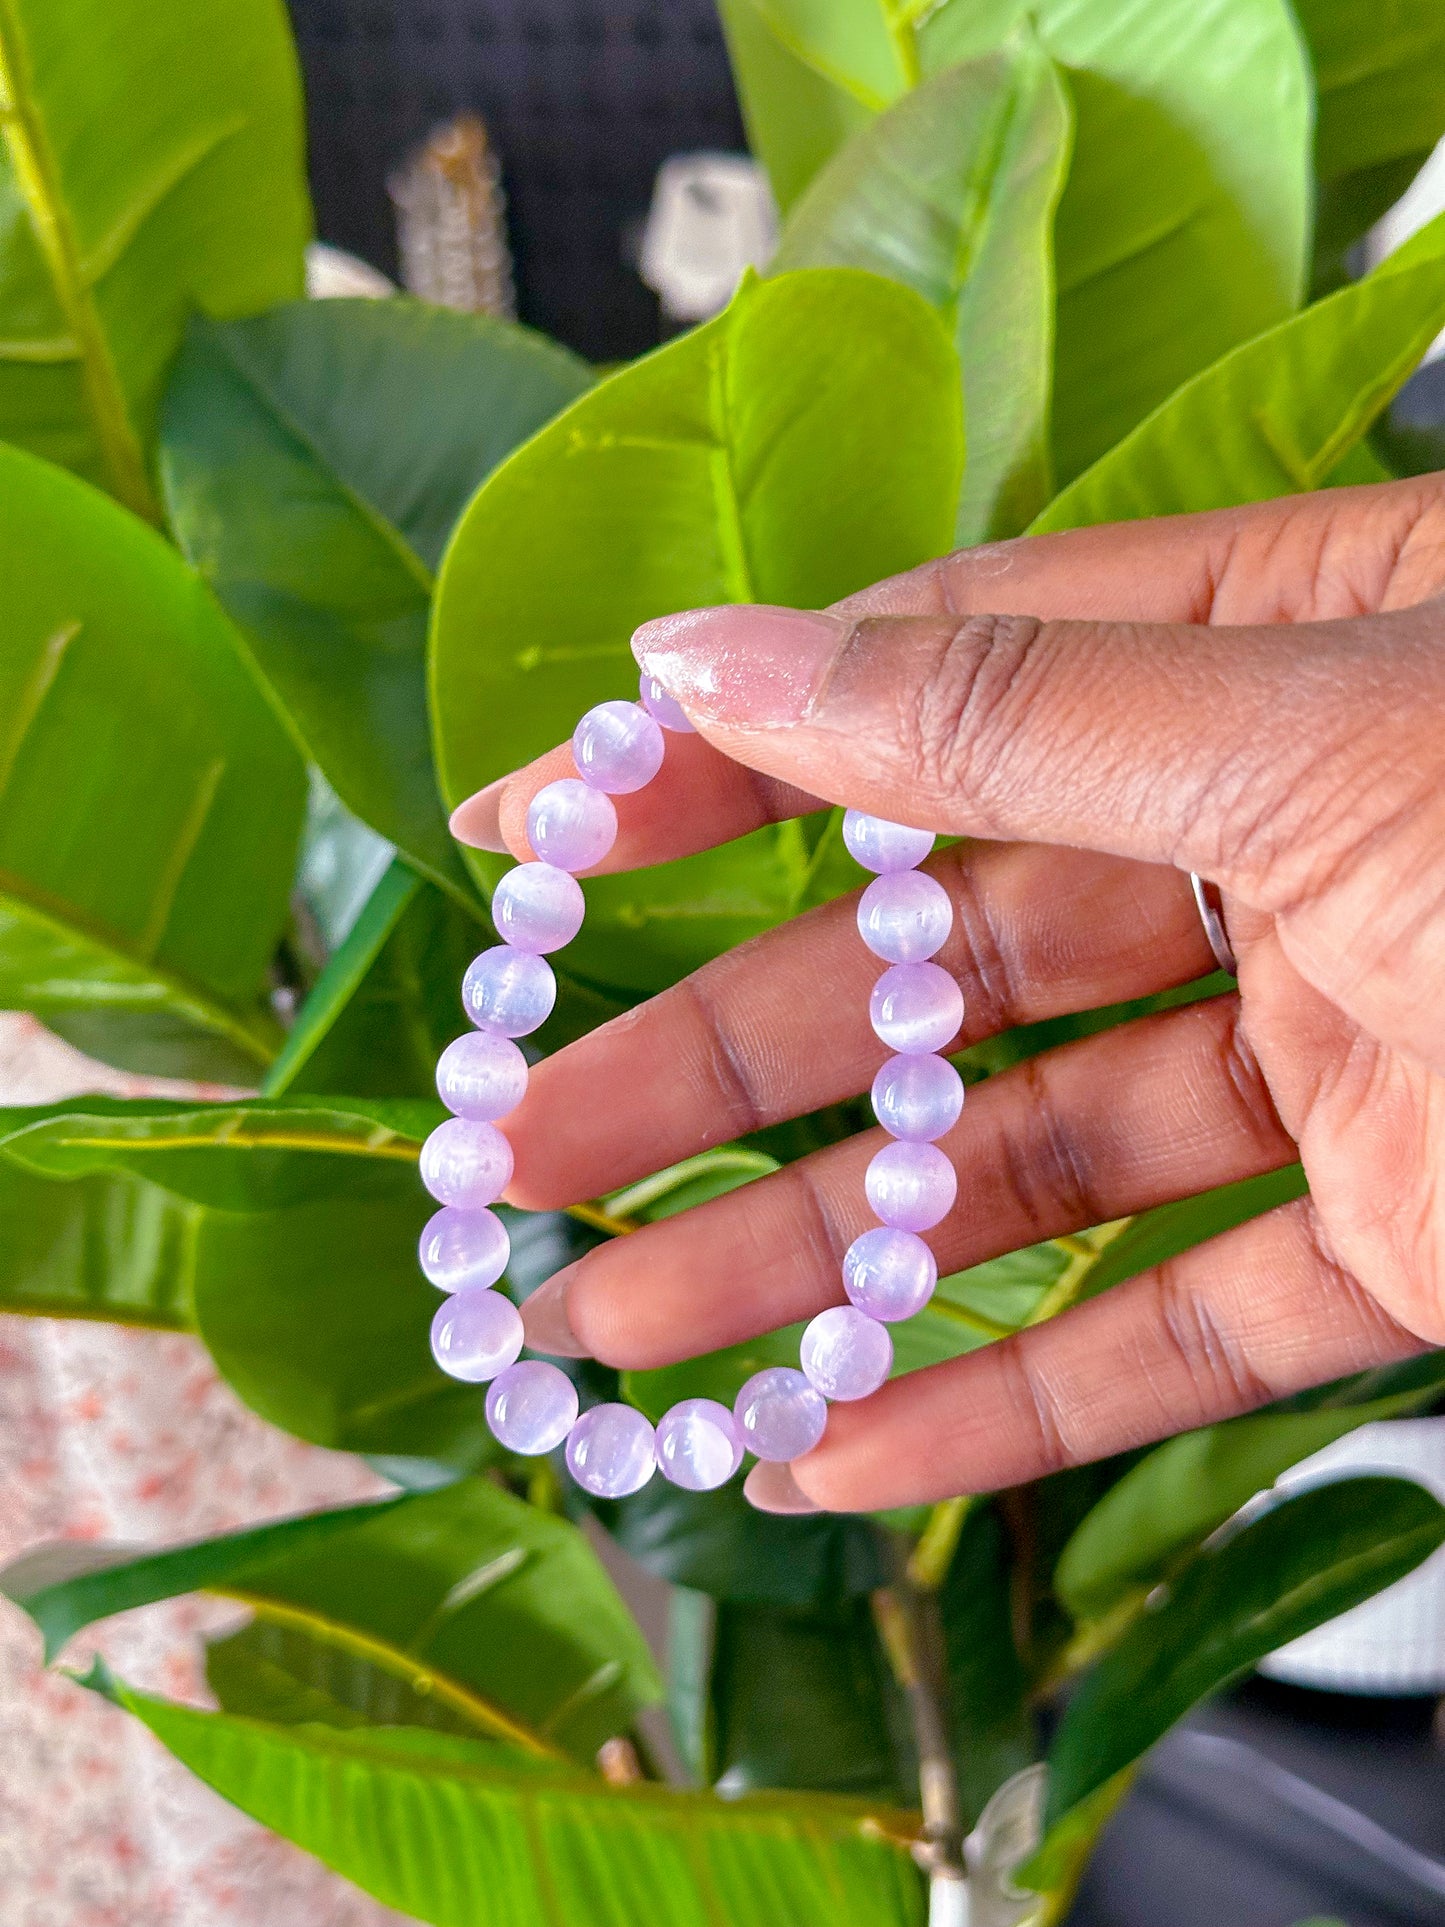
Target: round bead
(538, 907)
(663, 708)
(889, 1274)
(460, 1248)
(916, 1008)
(481, 1076)
(905, 917)
(609, 1451)
(508, 991)
(699, 1445)
(571, 825)
(911, 1186)
(917, 1098)
(465, 1163)
(883, 846)
(531, 1406)
(779, 1414)
(618, 747)
(476, 1335)
(845, 1354)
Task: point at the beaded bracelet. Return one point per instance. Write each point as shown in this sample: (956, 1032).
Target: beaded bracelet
(889, 1273)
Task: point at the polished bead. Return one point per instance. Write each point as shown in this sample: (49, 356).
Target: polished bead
(460, 1248)
(466, 1164)
(531, 1406)
(917, 1098)
(779, 1414)
(508, 991)
(904, 918)
(845, 1354)
(699, 1445)
(617, 747)
(481, 1076)
(571, 825)
(538, 907)
(916, 1007)
(663, 708)
(889, 1274)
(911, 1186)
(476, 1335)
(610, 1451)
(883, 846)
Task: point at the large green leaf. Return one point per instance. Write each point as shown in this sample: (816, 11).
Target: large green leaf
(1157, 1235)
(153, 164)
(106, 1248)
(150, 803)
(314, 462)
(990, 1724)
(801, 445)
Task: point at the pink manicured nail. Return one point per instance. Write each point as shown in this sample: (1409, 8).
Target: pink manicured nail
(545, 1320)
(748, 667)
(478, 821)
(771, 1487)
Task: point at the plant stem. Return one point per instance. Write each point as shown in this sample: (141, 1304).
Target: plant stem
(600, 1220)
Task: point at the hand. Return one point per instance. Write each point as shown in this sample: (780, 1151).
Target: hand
(1258, 695)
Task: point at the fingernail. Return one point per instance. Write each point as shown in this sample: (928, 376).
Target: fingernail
(771, 1487)
(750, 666)
(545, 1321)
(478, 821)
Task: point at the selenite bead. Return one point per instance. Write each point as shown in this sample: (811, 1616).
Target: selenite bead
(481, 1076)
(917, 1098)
(883, 846)
(509, 991)
(571, 824)
(844, 1353)
(460, 1248)
(476, 1335)
(610, 1451)
(531, 1407)
(617, 747)
(916, 1007)
(905, 917)
(779, 1414)
(466, 1163)
(663, 708)
(911, 1186)
(889, 1274)
(699, 1445)
(538, 907)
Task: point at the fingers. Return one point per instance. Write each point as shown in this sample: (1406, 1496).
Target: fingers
(1249, 1317)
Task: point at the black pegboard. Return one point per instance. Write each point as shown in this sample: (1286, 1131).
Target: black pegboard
(583, 98)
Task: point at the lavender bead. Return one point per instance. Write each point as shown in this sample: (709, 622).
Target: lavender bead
(538, 907)
(699, 1445)
(779, 1414)
(617, 747)
(508, 991)
(911, 1186)
(461, 1248)
(889, 1274)
(917, 1098)
(531, 1407)
(466, 1164)
(571, 825)
(476, 1335)
(905, 917)
(481, 1076)
(609, 1451)
(883, 846)
(916, 1008)
(663, 708)
(845, 1354)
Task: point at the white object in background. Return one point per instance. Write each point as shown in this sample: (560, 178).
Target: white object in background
(332, 274)
(1422, 200)
(712, 217)
(1008, 1830)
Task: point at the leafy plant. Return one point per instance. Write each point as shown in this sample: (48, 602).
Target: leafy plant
(316, 572)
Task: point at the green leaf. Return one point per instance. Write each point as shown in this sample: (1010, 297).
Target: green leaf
(373, 422)
(1157, 1235)
(990, 1724)
(804, 443)
(153, 164)
(150, 803)
(105, 1248)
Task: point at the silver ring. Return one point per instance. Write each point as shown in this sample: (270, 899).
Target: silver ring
(1211, 914)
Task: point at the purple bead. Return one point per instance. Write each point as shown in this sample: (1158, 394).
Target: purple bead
(889, 1274)
(917, 1098)
(617, 747)
(481, 1076)
(531, 1407)
(508, 991)
(911, 1186)
(883, 846)
(461, 1248)
(538, 907)
(476, 1335)
(905, 917)
(663, 708)
(779, 1414)
(699, 1445)
(571, 825)
(916, 1007)
(845, 1354)
(609, 1451)
(466, 1164)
